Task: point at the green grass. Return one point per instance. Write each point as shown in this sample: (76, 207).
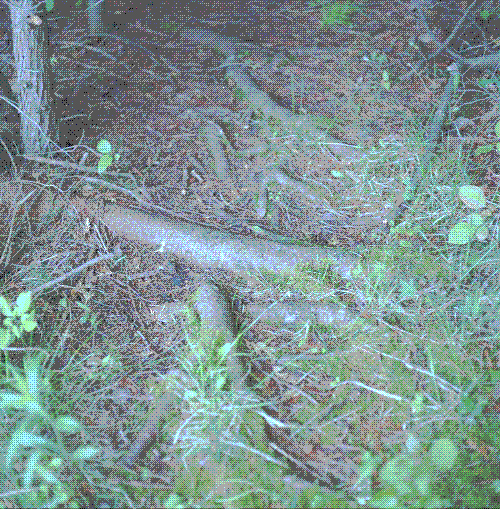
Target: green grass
(423, 367)
(224, 458)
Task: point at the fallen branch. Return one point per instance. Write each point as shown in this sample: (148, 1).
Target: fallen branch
(290, 313)
(260, 100)
(216, 251)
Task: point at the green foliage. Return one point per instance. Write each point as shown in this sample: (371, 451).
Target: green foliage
(486, 14)
(453, 462)
(421, 476)
(168, 26)
(45, 457)
(475, 476)
(337, 13)
(16, 319)
(315, 498)
(444, 453)
(406, 479)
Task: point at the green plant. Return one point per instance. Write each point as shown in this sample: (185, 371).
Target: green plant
(168, 26)
(16, 319)
(407, 478)
(486, 13)
(337, 13)
(472, 226)
(484, 149)
(42, 458)
(109, 155)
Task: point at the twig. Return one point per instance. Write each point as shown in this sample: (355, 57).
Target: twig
(441, 47)
(98, 259)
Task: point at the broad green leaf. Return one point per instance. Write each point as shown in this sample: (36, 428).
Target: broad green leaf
(412, 443)
(29, 325)
(104, 147)
(67, 424)
(173, 501)
(397, 470)
(55, 462)
(444, 453)
(403, 488)
(336, 174)
(221, 380)
(21, 438)
(105, 161)
(224, 349)
(33, 407)
(474, 219)
(85, 453)
(12, 400)
(461, 233)
(472, 196)
(23, 302)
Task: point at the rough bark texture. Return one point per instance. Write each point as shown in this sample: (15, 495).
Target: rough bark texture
(214, 250)
(32, 84)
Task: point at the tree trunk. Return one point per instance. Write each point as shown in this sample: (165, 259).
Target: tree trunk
(31, 87)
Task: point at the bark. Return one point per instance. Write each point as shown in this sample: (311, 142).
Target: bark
(32, 77)
(214, 251)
